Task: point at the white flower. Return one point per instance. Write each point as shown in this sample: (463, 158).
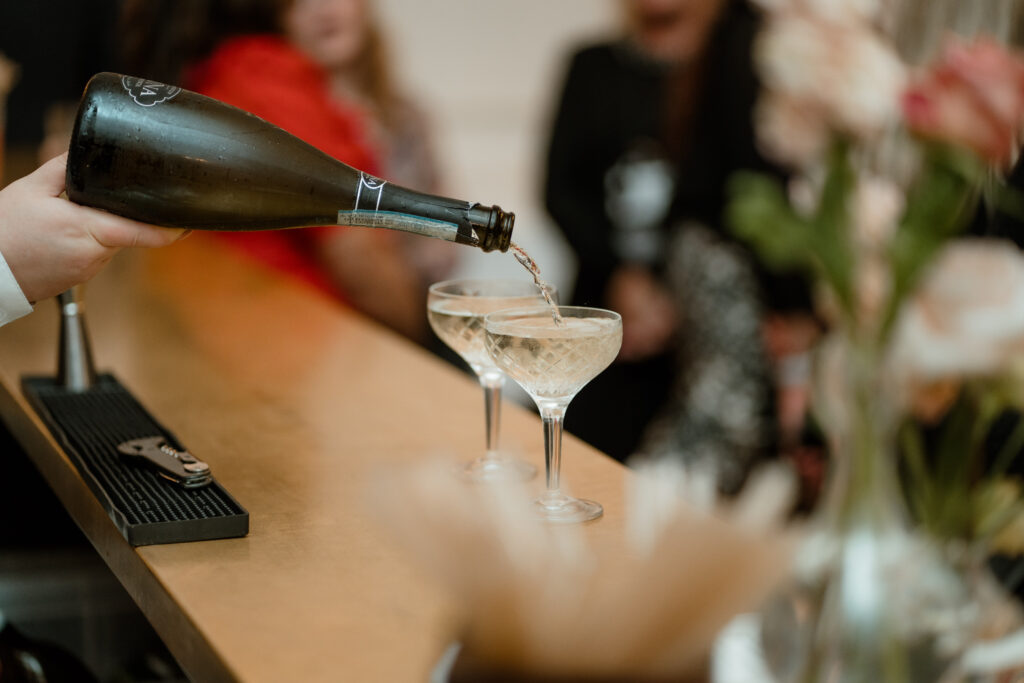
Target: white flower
(791, 131)
(804, 192)
(842, 71)
(967, 317)
(877, 206)
(791, 52)
(865, 83)
(803, 195)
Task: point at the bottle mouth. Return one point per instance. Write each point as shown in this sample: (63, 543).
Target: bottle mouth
(497, 234)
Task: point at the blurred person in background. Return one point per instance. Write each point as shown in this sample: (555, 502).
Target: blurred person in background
(648, 131)
(608, 187)
(344, 37)
(741, 390)
(56, 46)
(239, 52)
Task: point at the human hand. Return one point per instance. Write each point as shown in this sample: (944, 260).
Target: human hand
(51, 244)
(648, 316)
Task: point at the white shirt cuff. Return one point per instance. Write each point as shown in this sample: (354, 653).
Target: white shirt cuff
(13, 303)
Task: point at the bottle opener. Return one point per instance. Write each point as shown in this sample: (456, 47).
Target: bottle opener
(181, 467)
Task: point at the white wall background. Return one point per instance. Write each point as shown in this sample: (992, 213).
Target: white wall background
(487, 72)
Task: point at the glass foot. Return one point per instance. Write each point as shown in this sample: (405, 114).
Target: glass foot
(559, 508)
(490, 468)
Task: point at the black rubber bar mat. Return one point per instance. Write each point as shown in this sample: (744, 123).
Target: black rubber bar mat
(145, 507)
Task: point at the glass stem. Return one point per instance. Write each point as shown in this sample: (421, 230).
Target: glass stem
(553, 415)
(492, 382)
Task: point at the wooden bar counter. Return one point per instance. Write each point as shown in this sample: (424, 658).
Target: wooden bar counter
(294, 401)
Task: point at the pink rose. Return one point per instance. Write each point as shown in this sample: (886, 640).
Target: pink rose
(973, 96)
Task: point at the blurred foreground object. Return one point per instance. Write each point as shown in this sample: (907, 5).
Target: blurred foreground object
(570, 602)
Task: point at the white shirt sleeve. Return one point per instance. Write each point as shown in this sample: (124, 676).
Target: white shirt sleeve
(13, 303)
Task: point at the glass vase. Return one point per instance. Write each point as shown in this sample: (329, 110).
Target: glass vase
(874, 600)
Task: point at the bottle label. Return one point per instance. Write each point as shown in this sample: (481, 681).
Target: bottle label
(366, 213)
(370, 191)
(148, 93)
(401, 221)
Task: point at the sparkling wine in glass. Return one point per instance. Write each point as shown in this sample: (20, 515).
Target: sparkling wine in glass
(552, 361)
(456, 310)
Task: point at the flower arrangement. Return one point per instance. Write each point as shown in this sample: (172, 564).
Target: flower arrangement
(889, 165)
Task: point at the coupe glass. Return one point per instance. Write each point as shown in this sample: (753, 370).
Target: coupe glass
(456, 310)
(552, 360)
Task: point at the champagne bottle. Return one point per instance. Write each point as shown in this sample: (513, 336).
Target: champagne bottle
(167, 156)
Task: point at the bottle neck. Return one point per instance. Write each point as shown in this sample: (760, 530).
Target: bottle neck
(397, 208)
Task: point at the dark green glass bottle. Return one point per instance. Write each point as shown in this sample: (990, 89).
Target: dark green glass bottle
(167, 156)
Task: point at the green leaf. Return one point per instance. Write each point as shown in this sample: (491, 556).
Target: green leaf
(832, 242)
(940, 204)
(996, 503)
(759, 212)
(919, 483)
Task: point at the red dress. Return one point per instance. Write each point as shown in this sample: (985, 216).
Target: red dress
(266, 76)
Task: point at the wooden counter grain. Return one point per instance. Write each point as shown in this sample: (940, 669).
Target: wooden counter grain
(293, 401)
